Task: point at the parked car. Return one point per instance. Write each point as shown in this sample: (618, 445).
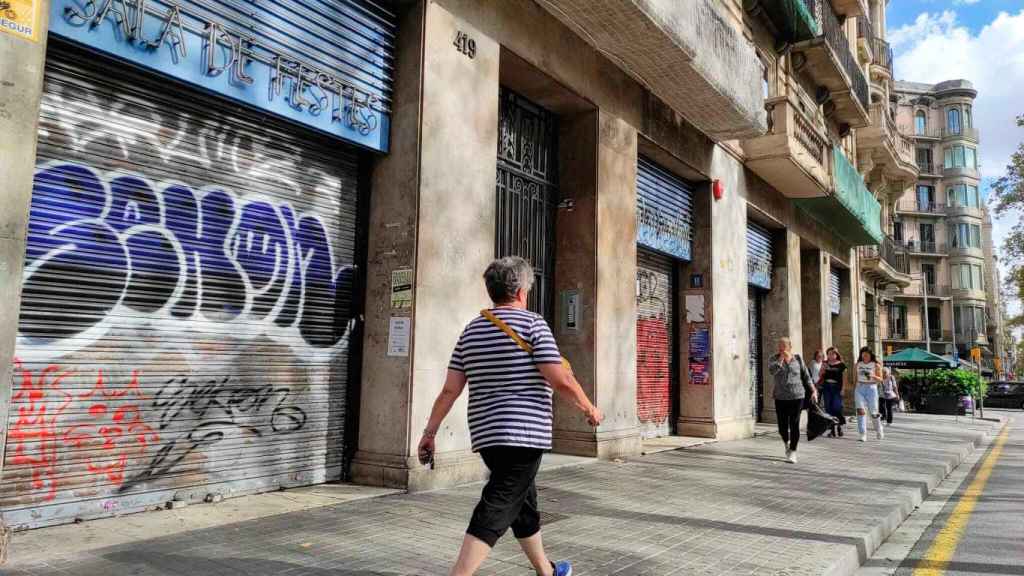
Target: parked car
(1005, 395)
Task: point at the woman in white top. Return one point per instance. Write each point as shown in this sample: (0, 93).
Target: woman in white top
(890, 395)
(869, 375)
(815, 366)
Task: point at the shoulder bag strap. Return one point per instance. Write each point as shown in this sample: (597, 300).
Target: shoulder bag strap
(515, 336)
(507, 330)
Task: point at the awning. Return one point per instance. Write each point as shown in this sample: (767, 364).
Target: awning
(917, 358)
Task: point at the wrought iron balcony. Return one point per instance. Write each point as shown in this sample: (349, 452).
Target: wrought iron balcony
(940, 335)
(916, 206)
(887, 262)
(688, 54)
(936, 291)
(927, 247)
(834, 66)
(882, 52)
(928, 169)
(850, 210)
(865, 38)
(794, 156)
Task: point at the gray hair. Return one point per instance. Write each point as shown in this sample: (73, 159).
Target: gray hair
(507, 276)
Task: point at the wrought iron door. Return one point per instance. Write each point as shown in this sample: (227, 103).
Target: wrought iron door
(756, 352)
(527, 189)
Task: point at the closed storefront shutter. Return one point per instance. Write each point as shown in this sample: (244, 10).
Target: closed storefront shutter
(834, 291)
(655, 336)
(188, 291)
(759, 256)
(664, 210)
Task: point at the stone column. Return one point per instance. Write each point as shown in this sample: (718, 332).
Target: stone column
(596, 258)
(21, 88)
(782, 315)
(432, 211)
(846, 334)
(815, 292)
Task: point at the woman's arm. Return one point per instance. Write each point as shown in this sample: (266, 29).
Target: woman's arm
(454, 384)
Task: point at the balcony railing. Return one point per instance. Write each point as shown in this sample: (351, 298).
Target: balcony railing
(834, 35)
(882, 53)
(940, 335)
(890, 252)
(926, 247)
(926, 167)
(916, 206)
(967, 133)
(795, 20)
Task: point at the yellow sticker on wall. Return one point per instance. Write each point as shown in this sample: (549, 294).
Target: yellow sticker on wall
(20, 18)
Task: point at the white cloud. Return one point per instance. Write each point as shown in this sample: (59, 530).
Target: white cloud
(966, 1)
(935, 47)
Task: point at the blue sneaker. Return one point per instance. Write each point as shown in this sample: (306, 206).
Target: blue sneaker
(562, 568)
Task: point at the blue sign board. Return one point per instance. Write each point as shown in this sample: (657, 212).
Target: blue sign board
(325, 64)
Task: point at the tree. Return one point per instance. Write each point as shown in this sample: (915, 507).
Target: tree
(1008, 199)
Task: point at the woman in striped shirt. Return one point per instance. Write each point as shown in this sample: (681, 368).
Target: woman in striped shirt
(511, 363)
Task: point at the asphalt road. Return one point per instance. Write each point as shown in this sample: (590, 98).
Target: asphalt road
(981, 529)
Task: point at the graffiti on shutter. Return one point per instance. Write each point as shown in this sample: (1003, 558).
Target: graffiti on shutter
(664, 210)
(835, 281)
(759, 256)
(655, 337)
(756, 353)
(186, 306)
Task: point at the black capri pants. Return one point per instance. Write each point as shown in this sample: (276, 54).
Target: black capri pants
(509, 499)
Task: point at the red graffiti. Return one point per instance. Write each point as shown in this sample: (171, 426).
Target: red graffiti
(114, 430)
(121, 432)
(36, 424)
(653, 386)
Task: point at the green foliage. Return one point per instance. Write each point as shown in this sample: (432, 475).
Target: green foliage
(957, 382)
(1008, 199)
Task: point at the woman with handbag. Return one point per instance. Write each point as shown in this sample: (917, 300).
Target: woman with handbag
(792, 385)
(832, 389)
(890, 395)
(509, 360)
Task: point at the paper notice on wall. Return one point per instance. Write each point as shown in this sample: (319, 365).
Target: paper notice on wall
(401, 289)
(699, 355)
(20, 18)
(399, 334)
(694, 307)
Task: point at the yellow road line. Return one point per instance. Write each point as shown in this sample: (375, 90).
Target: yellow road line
(940, 553)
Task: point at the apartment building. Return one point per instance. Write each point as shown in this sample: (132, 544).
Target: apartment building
(941, 228)
(302, 225)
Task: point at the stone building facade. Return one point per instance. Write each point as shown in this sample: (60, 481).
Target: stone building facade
(692, 181)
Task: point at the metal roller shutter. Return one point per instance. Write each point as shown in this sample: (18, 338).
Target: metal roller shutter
(187, 300)
(664, 210)
(756, 352)
(835, 281)
(655, 335)
(759, 256)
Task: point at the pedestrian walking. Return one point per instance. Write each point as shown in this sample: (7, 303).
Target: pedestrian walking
(792, 385)
(511, 363)
(815, 366)
(869, 376)
(832, 388)
(890, 395)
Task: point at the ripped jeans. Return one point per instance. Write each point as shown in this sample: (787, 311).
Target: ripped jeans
(866, 399)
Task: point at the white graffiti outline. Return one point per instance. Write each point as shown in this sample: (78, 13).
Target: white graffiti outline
(244, 326)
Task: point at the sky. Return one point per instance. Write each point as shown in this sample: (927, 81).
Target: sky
(981, 41)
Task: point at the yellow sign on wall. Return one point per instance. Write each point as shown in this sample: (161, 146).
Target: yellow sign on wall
(20, 18)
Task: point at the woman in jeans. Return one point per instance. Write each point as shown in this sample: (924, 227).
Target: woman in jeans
(832, 388)
(869, 375)
(890, 395)
(790, 375)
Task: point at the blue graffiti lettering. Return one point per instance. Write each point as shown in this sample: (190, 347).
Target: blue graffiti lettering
(178, 254)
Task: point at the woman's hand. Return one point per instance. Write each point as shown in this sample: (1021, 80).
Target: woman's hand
(426, 449)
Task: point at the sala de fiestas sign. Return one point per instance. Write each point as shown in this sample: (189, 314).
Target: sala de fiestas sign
(257, 63)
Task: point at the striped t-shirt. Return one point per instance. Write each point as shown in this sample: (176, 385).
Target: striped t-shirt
(509, 400)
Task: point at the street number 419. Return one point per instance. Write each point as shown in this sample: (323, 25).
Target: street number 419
(465, 44)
